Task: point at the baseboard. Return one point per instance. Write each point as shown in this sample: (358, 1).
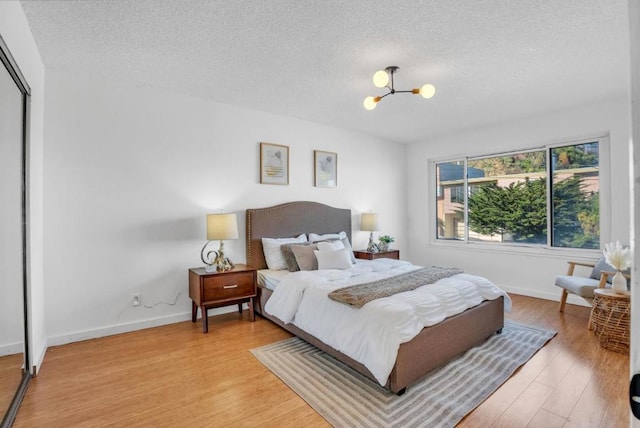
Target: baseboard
(131, 326)
(18, 348)
(37, 362)
(171, 319)
(11, 348)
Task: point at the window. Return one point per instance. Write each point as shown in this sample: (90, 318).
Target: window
(546, 196)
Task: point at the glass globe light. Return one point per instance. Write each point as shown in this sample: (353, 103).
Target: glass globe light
(380, 78)
(428, 90)
(370, 103)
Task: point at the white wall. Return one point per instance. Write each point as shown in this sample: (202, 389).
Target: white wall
(17, 35)
(130, 174)
(527, 272)
(11, 244)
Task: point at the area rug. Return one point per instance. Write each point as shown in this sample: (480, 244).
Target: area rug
(345, 398)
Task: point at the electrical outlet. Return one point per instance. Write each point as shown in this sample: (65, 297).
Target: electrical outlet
(136, 299)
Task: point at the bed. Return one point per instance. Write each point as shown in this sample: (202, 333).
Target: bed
(431, 348)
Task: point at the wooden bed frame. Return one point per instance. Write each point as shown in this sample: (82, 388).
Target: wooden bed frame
(430, 349)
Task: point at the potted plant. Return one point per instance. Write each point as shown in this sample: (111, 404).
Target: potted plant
(385, 240)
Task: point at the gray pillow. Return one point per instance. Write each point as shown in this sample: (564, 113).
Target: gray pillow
(289, 257)
(602, 265)
(305, 257)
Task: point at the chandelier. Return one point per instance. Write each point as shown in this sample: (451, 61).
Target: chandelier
(384, 79)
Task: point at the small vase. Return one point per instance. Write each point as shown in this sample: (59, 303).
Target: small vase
(619, 283)
(383, 246)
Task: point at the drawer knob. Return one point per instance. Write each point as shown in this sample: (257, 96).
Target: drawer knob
(230, 286)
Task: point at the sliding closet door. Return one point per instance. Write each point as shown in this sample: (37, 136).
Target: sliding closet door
(14, 374)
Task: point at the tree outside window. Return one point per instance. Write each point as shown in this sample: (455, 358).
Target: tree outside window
(507, 197)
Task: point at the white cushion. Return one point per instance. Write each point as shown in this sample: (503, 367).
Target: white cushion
(330, 245)
(347, 245)
(577, 285)
(273, 254)
(313, 237)
(338, 259)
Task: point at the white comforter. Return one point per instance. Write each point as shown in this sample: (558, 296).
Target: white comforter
(372, 334)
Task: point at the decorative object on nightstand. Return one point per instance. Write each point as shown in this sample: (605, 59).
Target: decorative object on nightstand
(618, 257)
(368, 255)
(385, 240)
(215, 289)
(369, 223)
(219, 227)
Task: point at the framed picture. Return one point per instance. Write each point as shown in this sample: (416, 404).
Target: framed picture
(325, 167)
(274, 164)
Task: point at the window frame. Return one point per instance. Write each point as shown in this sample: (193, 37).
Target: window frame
(510, 247)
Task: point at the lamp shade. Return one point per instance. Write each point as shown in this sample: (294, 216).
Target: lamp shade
(222, 226)
(369, 222)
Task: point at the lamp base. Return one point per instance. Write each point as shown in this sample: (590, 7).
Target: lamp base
(220, 263)
(372, 247)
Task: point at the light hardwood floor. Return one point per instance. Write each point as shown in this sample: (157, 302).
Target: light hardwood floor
(10, 378)
(177, 376)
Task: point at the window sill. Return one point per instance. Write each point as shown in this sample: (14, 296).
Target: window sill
(524, 249)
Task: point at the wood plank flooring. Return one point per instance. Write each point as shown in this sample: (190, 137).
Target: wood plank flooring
(177, 376)
(10, 378)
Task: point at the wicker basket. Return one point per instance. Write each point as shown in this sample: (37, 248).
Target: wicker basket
(610, 320)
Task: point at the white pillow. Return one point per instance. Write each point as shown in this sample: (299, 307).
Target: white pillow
(338, 259)
(330, 245)
(313, 237)
(273, 254)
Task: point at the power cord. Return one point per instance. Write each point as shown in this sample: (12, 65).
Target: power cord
(175, 301)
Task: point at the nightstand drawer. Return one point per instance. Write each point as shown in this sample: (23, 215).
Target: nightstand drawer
(228, 286)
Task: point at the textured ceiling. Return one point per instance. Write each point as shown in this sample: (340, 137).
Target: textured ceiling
(490, 60)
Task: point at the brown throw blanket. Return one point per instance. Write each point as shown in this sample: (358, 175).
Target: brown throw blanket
(361, 294)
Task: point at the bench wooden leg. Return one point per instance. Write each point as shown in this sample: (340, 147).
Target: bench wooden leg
(563, 300)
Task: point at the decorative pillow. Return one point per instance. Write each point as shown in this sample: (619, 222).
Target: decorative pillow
(347, 245)
(338, 259)
(314, 237)
(305, 257)
(602, 265)
(289, 257)
(272, 252)
(330, 245)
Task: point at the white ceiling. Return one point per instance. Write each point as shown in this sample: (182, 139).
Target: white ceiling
(490, 60)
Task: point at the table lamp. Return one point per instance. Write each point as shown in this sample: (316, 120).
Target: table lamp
(219, 227)
(369, 223)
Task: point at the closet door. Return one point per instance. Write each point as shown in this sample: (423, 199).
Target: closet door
(14, 373)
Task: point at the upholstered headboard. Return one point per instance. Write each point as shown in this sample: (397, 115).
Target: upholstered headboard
(291, 219)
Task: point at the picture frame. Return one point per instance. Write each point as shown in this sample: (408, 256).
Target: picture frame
(274, 164)
(325, 168)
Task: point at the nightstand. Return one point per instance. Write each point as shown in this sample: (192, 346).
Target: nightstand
(610, 319)
(215, 289)
(389, 254)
